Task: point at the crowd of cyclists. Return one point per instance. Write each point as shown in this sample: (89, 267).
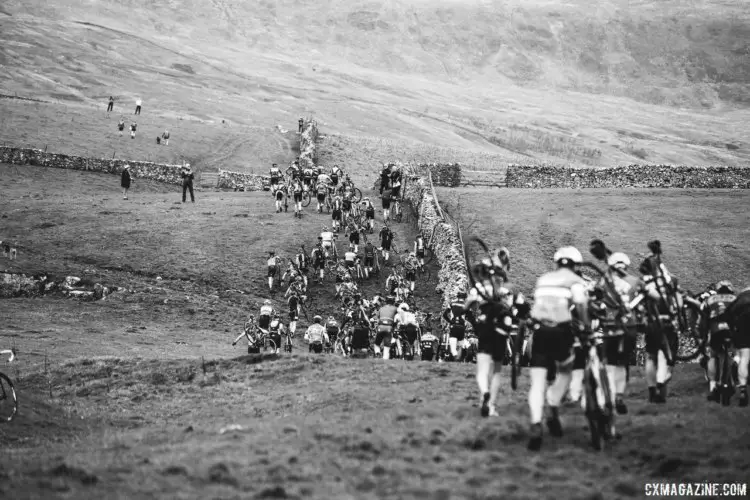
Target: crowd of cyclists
(578, 319)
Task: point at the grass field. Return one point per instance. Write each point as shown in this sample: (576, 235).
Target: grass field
(704, 233)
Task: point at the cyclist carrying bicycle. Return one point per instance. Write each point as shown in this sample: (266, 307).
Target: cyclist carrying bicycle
(274, 265)
(321, 188)
(738, 315)
(266, 313)
(297, 189)
(307, 177)
(369, 210)
(336, 209)
(275, 331)
(419, 247)
(386, 239)
(369, 258)
(489, 309)
(275, 174)
(455, 316)
(406, 322)
(335, 175)
(293, 301)
(386, 317)
(318, 257)
(279, 191)
(620, 331)
(252, 342)
(333, 330)
(410, 266)
(316, 336)
(385, 177)
(346, 204)
(327, 240)
(557, 293)
(719, 329)
(386, 200)
(661, 333)
(353, 231)
(303, 263)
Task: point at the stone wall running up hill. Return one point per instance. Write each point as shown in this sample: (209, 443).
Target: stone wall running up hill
(443, 174)
(308, 154)
(445, 243)
(169, 174)
(638, 176)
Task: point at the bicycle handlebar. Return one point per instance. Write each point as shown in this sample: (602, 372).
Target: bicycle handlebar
(12, 353)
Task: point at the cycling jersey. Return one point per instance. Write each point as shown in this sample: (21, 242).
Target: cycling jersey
(324, 178)
(266, 310)
(387, 313)
(272, 262)
(316, 333)
(327, 238)
(302, 261)
(275, 326)
(369, 250)
(715, 308)
(275, 173)
(404, 318)
(628, 288)
(298, 188)
(554, 295)
(386, 236)
(322, 189)
(350, 256)
(386, 195)
(307, 173)
(419, 245)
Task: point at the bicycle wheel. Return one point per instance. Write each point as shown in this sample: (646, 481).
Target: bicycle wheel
(513, 362)
(592, 409)
(306, 198)
(727, 380)
(288, 344)
(269, 345)
(356, 195)
(8, 400)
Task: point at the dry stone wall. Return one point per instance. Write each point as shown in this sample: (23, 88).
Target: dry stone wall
(238, 180)
(442, 236)
(636, 176)
(308, 153)
(169, 174)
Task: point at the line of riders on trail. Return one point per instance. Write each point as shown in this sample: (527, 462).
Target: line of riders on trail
(578, 336)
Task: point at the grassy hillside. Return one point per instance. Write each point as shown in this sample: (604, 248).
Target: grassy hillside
(704, 233)
(541, 80)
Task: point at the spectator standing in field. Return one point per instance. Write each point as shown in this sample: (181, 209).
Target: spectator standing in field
(111, 105)
(187, 183)
(133, 126)
(301, 124)
(138, 106)
(121, 125)
(165, 137)
(125, 181)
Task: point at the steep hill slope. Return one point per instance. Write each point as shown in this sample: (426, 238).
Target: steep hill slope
(560, 82)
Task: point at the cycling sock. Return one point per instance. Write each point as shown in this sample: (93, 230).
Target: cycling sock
(386, 351)
(484, 368)
(292, 327)
(559, 387)
(270, 283)
(612, 378)
(453, 343)
(495, 383)
(650, 372)
(662, 370)
(538, 378)
(712, 385)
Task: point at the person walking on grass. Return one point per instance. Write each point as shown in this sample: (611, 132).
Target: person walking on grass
(133, 126)
(138, 106)
(111, 105)
(121, 125)
(125, 181)
(165, 137)
(187, 183)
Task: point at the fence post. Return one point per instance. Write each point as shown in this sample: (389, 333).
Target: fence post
(434, 196)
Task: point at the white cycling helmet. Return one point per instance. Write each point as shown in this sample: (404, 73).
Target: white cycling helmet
(570, 254)
(404, 306)
(618, 260)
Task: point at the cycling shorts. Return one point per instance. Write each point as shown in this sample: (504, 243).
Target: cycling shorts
(457, 332)
(321, 197)
(370, 214)
(349, 263)
(396, 192)
(386, 204)
(279, 195)
(411, 275)
(420, 254)
(369, 261)
(326, 244)
(336, 214)
(319, 264)
(293, 314)
(410, 332)
(272, 271)
(618, 349)
(354, 237)
(316, 347)
(655, 339)
(551, 344)
(346, 205)
(386, 245)
(492, 342)
(384, 336)
(274, 180)
(264, 321)
(297, 197)
(716, 339)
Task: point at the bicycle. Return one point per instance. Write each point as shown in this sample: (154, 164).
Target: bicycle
(8, 398)
(258, 340)
(597, 400)
(288, 342)
(726, 371)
